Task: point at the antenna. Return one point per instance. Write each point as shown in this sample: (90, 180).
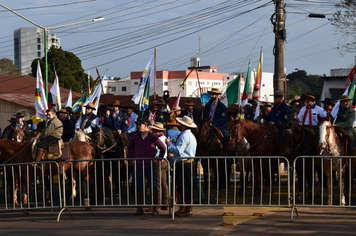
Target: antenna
(198, 52)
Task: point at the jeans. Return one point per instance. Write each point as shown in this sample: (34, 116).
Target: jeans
(147, 172)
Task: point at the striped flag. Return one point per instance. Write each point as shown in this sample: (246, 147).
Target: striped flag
(230, 92)
(176, 103)
(55, 94)
(244, 98)
(40, 97)
(95, 97)
(145, 99)
(184, 81)
(350, 77)
(258, 78)
(148, 73)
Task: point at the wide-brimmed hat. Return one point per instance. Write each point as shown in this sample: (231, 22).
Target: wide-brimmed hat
(142, 121)
(20, 114)
(186, 121)
(292, 103)
(328, 101)
(153, 103)
(161, 102)
(129, 105)
(345, 98)
(63, 110)
(69, 109)
(278, 93)
(177, 108)
(311, 96)
(12, 120)
(303, 97)
(90, 105)
(189, 102)
(158, 126)
(116, 103)
(103, 108)
(214, 91)
(172, 121)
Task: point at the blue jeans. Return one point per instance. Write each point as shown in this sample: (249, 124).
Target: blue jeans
(140, 178)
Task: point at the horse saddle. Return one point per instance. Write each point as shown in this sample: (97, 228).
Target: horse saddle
(57, 151)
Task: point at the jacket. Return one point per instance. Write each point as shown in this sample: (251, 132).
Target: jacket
(220, 116)
(279, 113)
(54, 129)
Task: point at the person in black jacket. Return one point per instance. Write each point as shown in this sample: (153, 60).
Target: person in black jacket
(68, 127)
(280, 111)
(19, 122)
(192, 112)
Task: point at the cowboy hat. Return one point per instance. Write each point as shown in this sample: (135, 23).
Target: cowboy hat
(90, 105)
(345, 98)
(153, 103)
(103, 108)
(140, 121)
(116, 103)
(12, 120)
(20, 114)
(311, 96)
(214, 91)
(161, 102)
(186, 121)
(173, 122)
(189, 102)
(328, 101)
(129, 105)
(63, 110)
(69, 109)
(158, 126)
(177, 108)
(278, 93)
(303, 97)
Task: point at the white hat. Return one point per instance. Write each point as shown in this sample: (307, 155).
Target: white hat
(186, 121)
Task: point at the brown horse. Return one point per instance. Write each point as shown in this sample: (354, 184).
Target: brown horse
(263, 142)
(334, 141)
(16, 152)
(22, 135)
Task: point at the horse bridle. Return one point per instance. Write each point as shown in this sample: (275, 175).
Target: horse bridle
(102, 138)
(209, 141)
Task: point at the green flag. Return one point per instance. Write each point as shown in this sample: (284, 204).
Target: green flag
(230, 92)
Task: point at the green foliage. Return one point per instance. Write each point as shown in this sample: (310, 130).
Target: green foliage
(299, 82)
(69, 70)
(7, 67)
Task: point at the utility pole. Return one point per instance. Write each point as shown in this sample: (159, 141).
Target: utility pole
(279, 30)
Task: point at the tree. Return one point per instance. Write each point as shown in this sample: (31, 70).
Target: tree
(69, 70)
(344, 20)
(7, 67)
(300, 82)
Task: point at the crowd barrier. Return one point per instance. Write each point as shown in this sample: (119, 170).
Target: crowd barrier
(213, 181)
(318, 176)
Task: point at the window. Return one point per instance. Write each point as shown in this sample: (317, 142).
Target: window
(113, 89)
(123, 89)
(165, 83)
(38, 54)
(53, 40)
(39, 47)
(228, 78)
(207, 83)
(136, 83)
(38, 40)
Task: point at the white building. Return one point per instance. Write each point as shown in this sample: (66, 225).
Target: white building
(29, 45)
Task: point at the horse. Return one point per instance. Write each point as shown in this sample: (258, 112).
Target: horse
(295, 140)
(210, 143)
(81, 136)
(334, 141)
(263, 142)
(23, 135)
(16, 152)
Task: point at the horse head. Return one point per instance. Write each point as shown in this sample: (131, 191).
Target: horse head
(103, 137)
(236, 134)
(204, 130)
(285, 138)
(81, 136)
(327, 135)
(19, 134)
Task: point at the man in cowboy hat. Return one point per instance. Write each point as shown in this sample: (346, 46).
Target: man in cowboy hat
(328, 105)
(71, 116)
(345, 117)
(308, 114)
(191, 111)
(162, 168)
(172, 130)
(68, 127)
(87, 120)
(52, 134)
(185, 147)
(143, 145)
(280, 111)
(215, 111)
(118, 118)
(9, 129)
(152, 114)
(103, 117)
(19, 123)
(131, 118)
(177, 111)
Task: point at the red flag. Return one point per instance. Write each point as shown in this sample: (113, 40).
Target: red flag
(176, 103)
(350, 77)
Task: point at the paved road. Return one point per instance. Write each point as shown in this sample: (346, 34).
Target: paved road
(207, 221)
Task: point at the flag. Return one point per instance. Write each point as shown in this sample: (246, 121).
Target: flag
(184, 81)
(176, 103)
(95, 97)
(40, 97)
(78, 105)
(258, 110)
(147, 74)
(258, 78)
(69, 100)
(95, 82)
(230, 92)
(335, 109)
(144, 101)
(352, 89)
(244, 98)
(350, 77)
(55, 94)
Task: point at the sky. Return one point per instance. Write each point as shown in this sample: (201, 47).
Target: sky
(226, 34)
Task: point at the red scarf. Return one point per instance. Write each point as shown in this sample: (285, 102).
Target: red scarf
(128, 119)
(310, 115)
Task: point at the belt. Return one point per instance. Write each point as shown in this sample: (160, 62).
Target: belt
(185, 162)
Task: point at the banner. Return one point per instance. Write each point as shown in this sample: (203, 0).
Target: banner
(147, 74)
(40, 97)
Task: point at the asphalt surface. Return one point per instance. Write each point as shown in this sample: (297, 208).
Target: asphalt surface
(206, 221)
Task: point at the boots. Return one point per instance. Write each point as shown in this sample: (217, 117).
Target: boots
(39, 154)
(139, 210)
(185, 211)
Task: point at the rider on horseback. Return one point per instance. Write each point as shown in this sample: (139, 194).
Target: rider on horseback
(19, 122)
(345, 117)
(86, 121)
(52, 134)
(280, 111)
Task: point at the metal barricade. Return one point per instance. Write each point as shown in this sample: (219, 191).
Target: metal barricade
(318, 176)
(217, 180)
(27, 186)
(116, 183)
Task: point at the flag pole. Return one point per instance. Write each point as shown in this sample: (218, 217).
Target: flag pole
(154, 93)
(261, 71)
(88, 82)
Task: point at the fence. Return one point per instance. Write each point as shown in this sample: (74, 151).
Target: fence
(318, 173)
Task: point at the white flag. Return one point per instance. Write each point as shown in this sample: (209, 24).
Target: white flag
(335, 109)
(148, 73)
(69, 100)
(56, 95)
(94, 97)
(257, 112)
(40, 96)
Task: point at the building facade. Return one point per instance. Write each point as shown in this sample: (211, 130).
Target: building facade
(29, 45)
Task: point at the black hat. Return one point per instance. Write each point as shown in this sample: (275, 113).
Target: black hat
(303, 97)
(140, 121)
(328, 101)
(20, 114)
(311, 96)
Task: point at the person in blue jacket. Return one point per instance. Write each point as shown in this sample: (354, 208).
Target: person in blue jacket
(118, 118)
(280, 111)
(215, 111)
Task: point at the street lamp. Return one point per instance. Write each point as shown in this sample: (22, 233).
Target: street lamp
(46, 31)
